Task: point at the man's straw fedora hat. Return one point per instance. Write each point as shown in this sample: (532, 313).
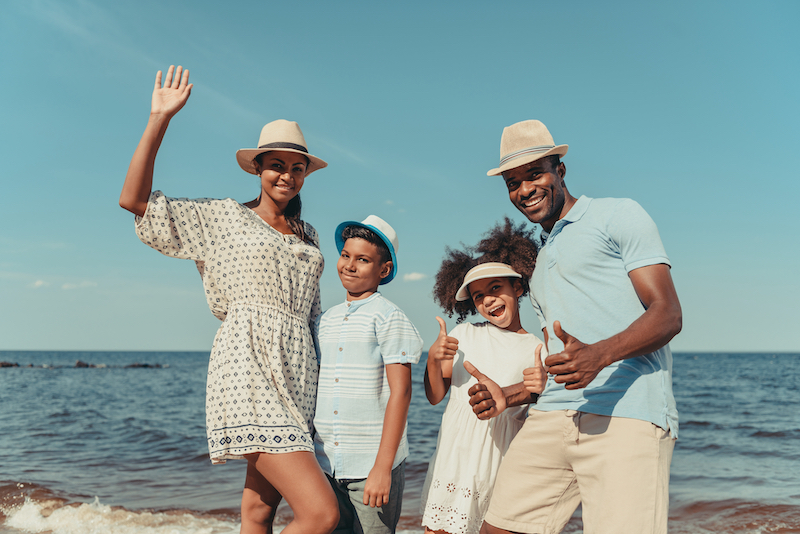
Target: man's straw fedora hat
(280, 135)
(523, 143)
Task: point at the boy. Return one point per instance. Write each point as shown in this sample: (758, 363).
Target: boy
(366, 346)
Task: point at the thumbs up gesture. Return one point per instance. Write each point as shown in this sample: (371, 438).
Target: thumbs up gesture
(486, 397)
(535, 377)
(578, 364)
(445, 347)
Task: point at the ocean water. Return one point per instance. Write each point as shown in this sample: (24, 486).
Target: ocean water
(117, 449)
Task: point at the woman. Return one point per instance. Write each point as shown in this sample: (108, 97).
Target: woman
(260, 265)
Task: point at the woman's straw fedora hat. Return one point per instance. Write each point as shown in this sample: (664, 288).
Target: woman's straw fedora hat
(523, 143)
(281, 135)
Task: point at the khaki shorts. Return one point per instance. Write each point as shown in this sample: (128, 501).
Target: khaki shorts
(617, 468)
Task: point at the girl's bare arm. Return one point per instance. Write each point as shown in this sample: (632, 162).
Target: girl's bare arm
(439, 368)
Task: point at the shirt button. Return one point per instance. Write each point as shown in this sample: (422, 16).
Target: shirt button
(404, 353)
(336, 443)
(340, 349)
(335, 412)
(336, 380)
(345, 318)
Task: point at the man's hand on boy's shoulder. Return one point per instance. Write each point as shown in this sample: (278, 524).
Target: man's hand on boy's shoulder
(378, 487)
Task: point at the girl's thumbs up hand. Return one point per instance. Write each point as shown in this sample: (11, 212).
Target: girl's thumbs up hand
(486, 397)
(445, 347)
(535, 377)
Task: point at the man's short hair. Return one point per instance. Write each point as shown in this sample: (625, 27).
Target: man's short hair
(554, 161)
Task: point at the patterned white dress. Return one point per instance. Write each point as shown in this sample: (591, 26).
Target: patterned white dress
(463, 468)
(264, 286)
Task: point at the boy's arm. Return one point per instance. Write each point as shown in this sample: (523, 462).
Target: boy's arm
(379, 481)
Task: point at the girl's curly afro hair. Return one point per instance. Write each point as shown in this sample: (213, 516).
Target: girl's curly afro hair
(505, 243)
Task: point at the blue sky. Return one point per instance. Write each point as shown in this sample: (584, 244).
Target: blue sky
(690, 108)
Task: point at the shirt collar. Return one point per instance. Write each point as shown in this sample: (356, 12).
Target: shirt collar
(577, 210)
(353, 304)
(574, 214)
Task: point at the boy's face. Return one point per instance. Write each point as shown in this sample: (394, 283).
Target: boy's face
(360, 268)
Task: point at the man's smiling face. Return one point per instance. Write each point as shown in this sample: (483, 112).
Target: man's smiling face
(537, 190)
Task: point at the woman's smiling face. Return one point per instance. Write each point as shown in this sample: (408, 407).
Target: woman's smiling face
(497, 300)
(282, 174)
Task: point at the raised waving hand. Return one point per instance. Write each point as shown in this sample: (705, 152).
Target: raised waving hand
(439, 369)
(166, 102)
(171, 97)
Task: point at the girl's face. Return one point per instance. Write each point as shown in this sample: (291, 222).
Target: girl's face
(282, 175)
(496, 299)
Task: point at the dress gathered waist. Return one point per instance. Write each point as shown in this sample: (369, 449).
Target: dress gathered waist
(256, 304)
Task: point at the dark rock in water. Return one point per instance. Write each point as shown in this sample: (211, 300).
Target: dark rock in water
(83, 364)
(144, 365)
(8, 364)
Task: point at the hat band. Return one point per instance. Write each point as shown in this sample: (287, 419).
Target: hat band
(525, 152)
(292, 146)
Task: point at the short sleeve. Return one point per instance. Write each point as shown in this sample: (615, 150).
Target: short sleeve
(176, 227)
(636, 235)
(398, 339)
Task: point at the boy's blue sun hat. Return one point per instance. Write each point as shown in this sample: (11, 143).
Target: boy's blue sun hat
(383, 230)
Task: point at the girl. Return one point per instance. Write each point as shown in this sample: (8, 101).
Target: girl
(462, 470)
(260, 265)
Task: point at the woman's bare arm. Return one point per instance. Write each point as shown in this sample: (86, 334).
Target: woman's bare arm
(166, 102)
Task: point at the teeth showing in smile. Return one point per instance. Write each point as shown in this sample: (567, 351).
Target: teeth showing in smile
(533, 202)
(497, 310)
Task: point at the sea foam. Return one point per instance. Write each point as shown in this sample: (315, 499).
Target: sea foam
(97, 518)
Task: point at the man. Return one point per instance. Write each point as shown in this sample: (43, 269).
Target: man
(603, 430)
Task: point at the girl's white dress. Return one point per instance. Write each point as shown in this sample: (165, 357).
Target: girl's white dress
(264, 286)
(468, 453)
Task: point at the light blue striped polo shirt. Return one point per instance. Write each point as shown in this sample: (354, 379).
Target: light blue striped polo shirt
(357, 339)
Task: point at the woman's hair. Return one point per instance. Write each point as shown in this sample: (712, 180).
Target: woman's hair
(292, 216)
(504, 243)
(293, 209)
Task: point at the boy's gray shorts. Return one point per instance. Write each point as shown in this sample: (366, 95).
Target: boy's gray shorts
(355, 516)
